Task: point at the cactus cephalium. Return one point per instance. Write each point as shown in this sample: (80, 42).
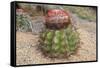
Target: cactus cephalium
(59, 40)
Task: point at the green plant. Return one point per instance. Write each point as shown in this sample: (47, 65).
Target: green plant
(22, 22)
(60, 43)
(83, 12)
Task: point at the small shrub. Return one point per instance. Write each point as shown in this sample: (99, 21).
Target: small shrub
(22, 23)
(87, 13)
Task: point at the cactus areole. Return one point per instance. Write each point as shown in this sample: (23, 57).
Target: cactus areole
(57, 19)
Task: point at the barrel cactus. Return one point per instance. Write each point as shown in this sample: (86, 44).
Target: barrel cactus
(59, 39)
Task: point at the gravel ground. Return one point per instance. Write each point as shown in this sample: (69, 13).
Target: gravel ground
(28, 52)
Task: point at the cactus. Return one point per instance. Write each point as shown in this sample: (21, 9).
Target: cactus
(61, 42)
(60, 39)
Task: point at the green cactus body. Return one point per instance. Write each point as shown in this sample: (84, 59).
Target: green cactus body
(62, 42)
